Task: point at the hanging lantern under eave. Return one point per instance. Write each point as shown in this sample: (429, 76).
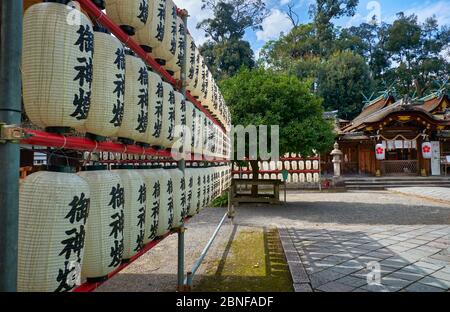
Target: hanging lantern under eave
(174, 65)
(135, 192)
(56, 66)
(104, 232)
(135, 116)
(53, 212)
(167, 50)
(151, 36)
(108, 87)
(427, 150)
(166, 210)
(380, 152)
(130, 15)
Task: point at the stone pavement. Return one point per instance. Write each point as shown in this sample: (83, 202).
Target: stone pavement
(395, 258)
(434, 193)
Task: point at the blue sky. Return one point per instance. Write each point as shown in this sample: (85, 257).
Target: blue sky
(278, 22)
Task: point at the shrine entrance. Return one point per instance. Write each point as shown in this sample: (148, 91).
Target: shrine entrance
(402, 158)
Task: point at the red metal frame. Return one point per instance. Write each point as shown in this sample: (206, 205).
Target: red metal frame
(102, 18)
(89, 287)
(41, 138)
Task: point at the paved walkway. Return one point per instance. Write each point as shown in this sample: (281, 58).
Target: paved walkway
(330, 237)
(378, 259)
(434, 193)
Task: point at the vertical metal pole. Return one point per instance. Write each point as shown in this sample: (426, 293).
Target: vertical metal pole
(10, 113)
(182, 163)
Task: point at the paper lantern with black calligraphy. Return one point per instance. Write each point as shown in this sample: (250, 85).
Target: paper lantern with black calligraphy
(380, 152)
(168, 119)
(191, 50)
(190, 127)
(152, 181)
(104, 232)
(53, 212)
(166, 211)
(180, 119)
(152, 34)
(57, 66)
(135, 192)
(191, 177)
(108, 87)
(427, 150)
(130, 15)
(155, 109)
(135, 116)
(174, 65)
(179, 197)
(167, 50)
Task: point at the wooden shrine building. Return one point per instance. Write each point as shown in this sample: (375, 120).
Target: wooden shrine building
(401, 126)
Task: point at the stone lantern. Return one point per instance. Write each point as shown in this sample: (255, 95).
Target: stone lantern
(337, 160)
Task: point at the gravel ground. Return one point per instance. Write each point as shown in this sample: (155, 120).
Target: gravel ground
(156, 271)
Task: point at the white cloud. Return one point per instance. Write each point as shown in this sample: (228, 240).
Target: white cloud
(276, 23)
(196, 15)
(439, 9)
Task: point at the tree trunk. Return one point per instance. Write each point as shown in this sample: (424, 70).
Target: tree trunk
(255, 173)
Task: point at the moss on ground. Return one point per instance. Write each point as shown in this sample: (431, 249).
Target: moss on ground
(253, 262)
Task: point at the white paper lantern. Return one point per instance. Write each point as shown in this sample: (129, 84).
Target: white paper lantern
(53, 212)
(196, 87)
(191, 50)
(380, 152)
(104, 232)
(168, 118)
(180, 119)
(135, 116)
(193, 191)
(153, 183)
(108, 87)
(194, 73)
(167, 50)
(179, 197)
(166, 210)
(191, 114)
(427, 150)
(174, 65)
(130, 15)
(56, 66)
(135, 191)
(155, 109)
(152, 34)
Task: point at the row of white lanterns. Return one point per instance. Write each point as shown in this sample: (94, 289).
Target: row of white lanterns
(81, 226)
(78, 78)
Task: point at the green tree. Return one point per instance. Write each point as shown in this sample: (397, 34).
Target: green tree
(264, 97)
(226, 58)
(417, 49)
(231, 18)
(341, 80)
(323, 12)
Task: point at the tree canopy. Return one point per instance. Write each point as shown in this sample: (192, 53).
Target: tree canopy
(264, 97)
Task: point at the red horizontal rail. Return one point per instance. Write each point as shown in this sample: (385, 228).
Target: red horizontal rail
(40, 138)
(96, 13)
(274, 171)
(89, 287)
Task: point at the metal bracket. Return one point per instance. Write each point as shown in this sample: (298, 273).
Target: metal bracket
(11, 133)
